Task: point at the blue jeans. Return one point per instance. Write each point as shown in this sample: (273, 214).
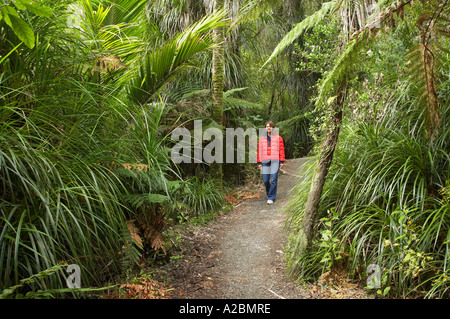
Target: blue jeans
(270, 178)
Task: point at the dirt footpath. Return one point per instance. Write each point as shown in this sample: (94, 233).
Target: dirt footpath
(240, 255)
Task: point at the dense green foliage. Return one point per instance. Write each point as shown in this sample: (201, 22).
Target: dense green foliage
(385, 203)
(83, 145)
(90, 91)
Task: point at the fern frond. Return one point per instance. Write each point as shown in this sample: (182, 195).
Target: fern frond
(360, 39)
(138, 200)
(233, 104)
(252, 9)
(133, 247)
(133, 231)
(344, 64)
(230, 92)
(301, 27)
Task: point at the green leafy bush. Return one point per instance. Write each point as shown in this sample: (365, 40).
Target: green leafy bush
(386, 188)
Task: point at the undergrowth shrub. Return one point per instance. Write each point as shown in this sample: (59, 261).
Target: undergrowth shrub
(387, 197)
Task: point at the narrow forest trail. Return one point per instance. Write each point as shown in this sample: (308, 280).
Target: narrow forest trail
(240, 255)
(251, 263)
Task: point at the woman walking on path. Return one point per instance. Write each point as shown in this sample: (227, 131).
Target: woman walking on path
(270, 158)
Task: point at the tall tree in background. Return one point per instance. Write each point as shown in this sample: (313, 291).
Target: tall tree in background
(217, 80)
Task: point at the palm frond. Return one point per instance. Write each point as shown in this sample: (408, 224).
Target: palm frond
(160, 65)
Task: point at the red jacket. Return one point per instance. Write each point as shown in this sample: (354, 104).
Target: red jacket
(273, 152)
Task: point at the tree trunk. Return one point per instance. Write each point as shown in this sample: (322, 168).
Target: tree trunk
(325, 158)
(217, 82)
(217, 76)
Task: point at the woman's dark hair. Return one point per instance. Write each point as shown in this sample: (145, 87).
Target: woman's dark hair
(270, 123)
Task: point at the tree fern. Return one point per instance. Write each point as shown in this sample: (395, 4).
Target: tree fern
(251, 9)
(426, 57)
(301, 27)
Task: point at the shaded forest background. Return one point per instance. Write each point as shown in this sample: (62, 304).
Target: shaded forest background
(91, 90)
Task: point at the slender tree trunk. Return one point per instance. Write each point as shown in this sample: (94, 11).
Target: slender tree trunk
(217, 75)
(271, 100)
(325, 158)
(217, 81)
